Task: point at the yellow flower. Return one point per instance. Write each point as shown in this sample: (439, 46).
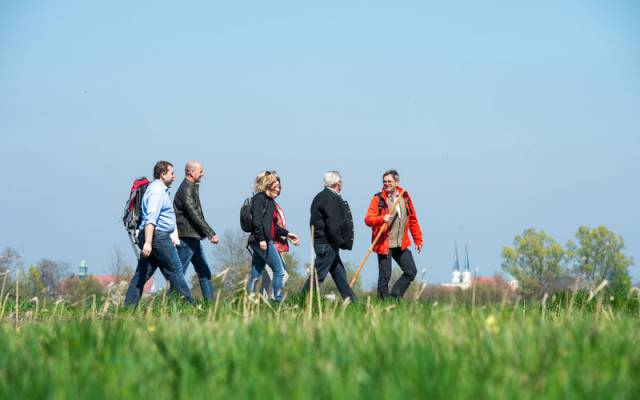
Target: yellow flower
(491, 324)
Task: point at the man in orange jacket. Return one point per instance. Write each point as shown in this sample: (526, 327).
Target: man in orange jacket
(394, 241)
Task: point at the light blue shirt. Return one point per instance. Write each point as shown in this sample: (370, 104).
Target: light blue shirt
(157, 207)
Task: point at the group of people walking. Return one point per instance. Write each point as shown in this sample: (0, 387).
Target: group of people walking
(171, 234)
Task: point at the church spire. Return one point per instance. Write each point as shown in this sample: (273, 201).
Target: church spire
(467, 266)
(456, 262)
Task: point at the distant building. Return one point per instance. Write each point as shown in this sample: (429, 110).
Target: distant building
(463, 280)
(108, 280)
(460, 280)
(83, 269)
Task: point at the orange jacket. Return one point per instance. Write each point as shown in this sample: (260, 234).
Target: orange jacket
(375, 220)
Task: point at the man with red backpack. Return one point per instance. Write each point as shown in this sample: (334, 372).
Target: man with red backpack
(394, 240)
(157, 248)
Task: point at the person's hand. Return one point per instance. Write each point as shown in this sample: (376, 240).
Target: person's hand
(215, 239)
(387, 218)
(419, 248)
(263, 245)
(146, 250)
(294, 239)
(175, 239)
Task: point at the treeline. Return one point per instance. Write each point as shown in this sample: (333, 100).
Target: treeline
(53, 280)
(536, 260)
(543, 266)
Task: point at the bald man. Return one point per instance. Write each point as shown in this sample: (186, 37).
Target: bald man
(193, 228)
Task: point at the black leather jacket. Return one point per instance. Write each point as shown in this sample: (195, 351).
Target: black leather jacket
(189, 217)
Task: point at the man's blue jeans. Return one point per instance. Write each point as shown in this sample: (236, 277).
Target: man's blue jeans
(260, 259)
(191, 250)
(164, 256)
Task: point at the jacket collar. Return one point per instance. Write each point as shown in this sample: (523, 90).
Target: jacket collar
(333, 191)
(188, 182)
(399, 189)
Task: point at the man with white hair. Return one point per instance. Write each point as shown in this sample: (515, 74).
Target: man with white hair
(192, 227)
(333, 230)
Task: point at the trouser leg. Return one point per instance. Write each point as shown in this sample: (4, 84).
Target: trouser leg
(339, 275)
(384, 274)
(404, 258)
(169, 260)
(325, 257)
(201, 266)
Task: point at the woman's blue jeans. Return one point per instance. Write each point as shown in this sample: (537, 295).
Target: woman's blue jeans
(262, 258)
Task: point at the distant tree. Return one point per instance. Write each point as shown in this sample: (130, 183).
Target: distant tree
(119, 266)
(536, 261)
(32, 285)
(232, 254)
(52, 273)
(80, 289)
(10, 261)
(598, 255)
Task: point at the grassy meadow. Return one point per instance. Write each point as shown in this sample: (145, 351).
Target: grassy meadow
(248, 348)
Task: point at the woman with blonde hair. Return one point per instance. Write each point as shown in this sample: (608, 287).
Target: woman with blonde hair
(265, 231)
(281, 243)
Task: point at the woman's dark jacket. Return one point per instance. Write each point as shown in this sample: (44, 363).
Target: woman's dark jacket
(332, 220)
(262, 219)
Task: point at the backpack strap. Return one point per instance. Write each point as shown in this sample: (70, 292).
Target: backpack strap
(382, 203)
(407, 199)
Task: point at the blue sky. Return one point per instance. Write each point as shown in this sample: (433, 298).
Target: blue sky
(499, 116)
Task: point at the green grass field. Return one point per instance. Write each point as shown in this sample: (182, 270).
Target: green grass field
(247, 349)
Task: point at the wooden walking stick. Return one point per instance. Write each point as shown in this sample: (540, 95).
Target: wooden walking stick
(312, 268)
(375, 241)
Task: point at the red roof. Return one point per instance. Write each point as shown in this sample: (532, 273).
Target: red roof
(488, 280)
(106, 280)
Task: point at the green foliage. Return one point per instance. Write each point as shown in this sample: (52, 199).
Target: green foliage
(536, 261)
(32, 285)
(52, 273)
(381, 351)
(598, 255)
(77, 289)
(119, 267)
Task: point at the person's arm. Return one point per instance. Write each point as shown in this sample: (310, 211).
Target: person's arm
(332, 213)
(189, 207)
(148, 239)
(151, 213)
(280, 231)
(372, 218)
(257, 217)
(414, 225)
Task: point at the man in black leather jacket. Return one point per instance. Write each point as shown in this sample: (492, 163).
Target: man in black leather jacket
(192, 227)
(333, 230)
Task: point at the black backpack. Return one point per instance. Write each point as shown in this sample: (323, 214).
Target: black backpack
(382, 203)
(246, 219)
(132, 215)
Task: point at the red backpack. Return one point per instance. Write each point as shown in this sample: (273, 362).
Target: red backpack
(132, 210)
